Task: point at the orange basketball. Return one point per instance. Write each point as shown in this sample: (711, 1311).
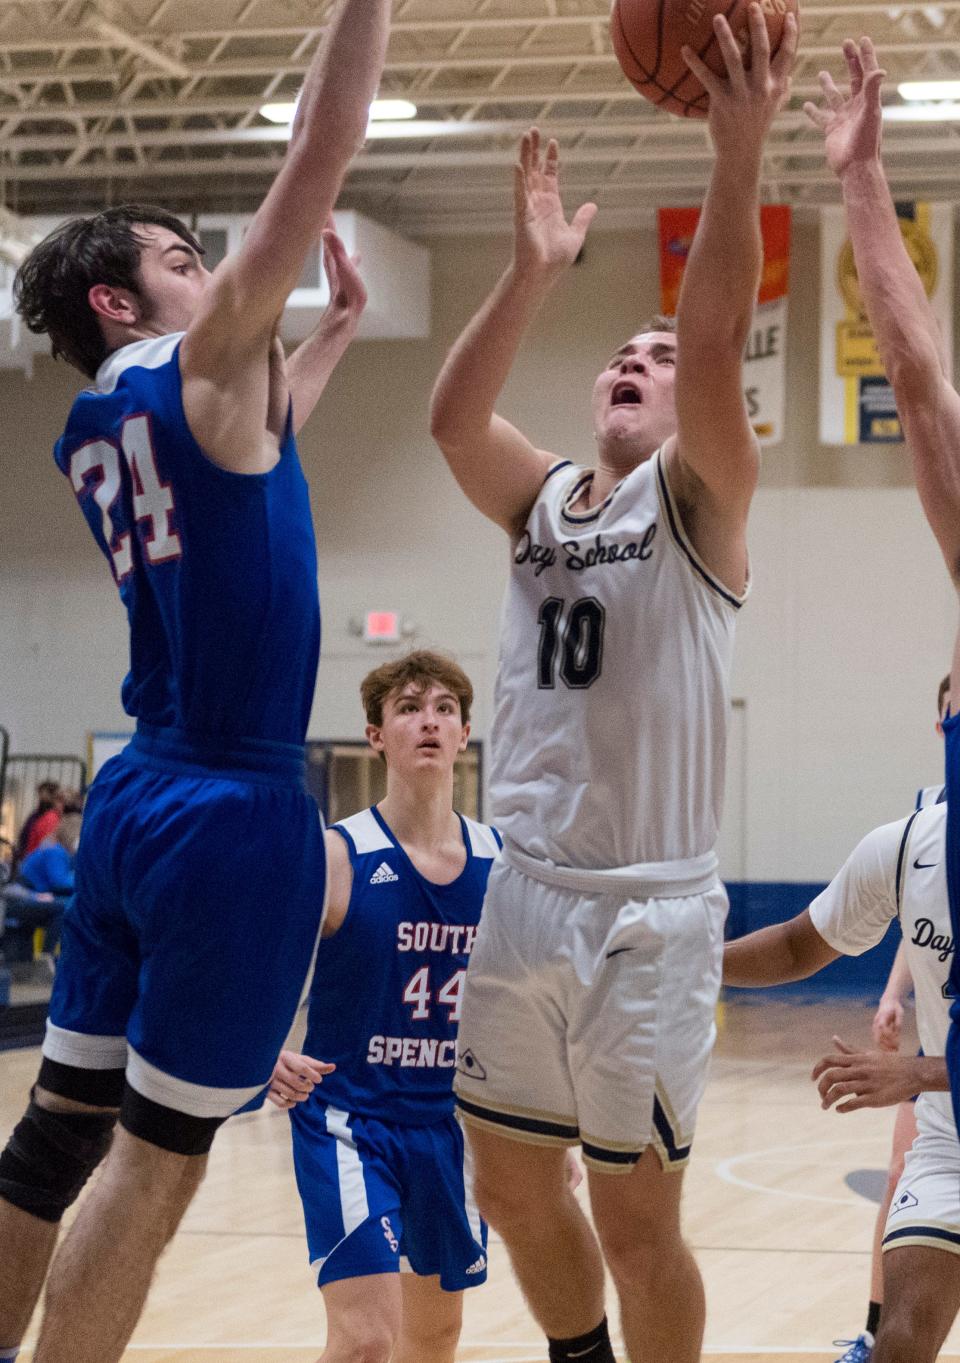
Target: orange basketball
(648, 35)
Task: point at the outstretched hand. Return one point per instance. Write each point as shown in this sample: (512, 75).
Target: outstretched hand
(853, 1079)
(545, 242)
(743, 103)
(851, 124)
(348, 293)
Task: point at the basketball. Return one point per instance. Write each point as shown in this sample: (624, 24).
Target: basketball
(648, 35)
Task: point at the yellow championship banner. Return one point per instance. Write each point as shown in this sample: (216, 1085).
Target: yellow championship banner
(764, 361)
(856, 402)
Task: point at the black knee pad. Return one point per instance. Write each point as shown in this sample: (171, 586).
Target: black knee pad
(49, 1158)
(165, 1127)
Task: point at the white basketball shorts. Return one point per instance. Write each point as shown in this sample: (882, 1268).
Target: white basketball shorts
(926, 1206)
(589, 1014)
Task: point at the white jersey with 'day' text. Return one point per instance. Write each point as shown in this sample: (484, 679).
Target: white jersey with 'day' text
(901, 868)
(609, 736)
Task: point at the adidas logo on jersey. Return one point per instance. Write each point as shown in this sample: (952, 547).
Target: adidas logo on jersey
(383, 874)
(477, 1267)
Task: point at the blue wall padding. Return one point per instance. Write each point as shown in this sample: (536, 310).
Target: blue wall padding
(758, 903)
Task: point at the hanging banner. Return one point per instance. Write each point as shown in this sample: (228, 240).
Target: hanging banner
(766, 353)
(856, 402)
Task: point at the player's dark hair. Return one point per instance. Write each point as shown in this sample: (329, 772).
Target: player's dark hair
(52, 284)
(660, 321)
(941, 692)
(421, 669)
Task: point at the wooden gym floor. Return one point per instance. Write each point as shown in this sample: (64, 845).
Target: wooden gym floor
(775, 1210)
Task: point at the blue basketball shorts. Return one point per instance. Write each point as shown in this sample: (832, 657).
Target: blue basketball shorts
(191, 935)
(383, 1198)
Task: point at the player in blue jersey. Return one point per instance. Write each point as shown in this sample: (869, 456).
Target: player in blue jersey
(393, 1232)
(202, 854)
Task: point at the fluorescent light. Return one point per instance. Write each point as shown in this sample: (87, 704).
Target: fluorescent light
(929, 89)
(279, 113)
(423, 127)
(396, 110)
(381, 110)
(921, 113)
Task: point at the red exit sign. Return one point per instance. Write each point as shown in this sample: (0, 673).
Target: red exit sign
(381, 627)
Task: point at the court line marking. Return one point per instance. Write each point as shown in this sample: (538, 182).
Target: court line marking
(724, 1169)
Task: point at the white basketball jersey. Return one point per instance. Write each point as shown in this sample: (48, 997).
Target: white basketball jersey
(609, 735)
(930, 795)
(901, 868)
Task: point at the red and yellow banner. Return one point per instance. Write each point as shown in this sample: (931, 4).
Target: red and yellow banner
(765, 357)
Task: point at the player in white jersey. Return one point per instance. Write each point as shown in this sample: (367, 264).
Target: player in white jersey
(911, 347)
(589, 1003)
(899, 869)
(886, 1030)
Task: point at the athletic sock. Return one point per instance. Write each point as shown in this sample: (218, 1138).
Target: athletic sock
(873, 1317)
(593, 1347)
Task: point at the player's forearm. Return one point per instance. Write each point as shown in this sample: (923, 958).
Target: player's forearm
(311, 365)
(478, 366)
(899, 981)
(897, 305)
(763, 958)
(722, 274)
(929, 1074)
(343, 80)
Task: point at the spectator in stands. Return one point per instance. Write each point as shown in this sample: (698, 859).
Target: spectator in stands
(41, 822)
(45, 880)
(49, 868)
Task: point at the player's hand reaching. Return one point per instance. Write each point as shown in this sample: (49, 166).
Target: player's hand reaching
(743, 103)
(295, 1077)
(887, 1024)
(348, 293)
(545, 243)
(851, 124)
(850, 1079)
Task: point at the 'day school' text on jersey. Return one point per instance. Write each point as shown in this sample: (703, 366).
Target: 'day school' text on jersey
(609, 737)
(386, 995)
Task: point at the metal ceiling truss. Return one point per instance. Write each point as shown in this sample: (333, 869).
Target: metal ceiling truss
(106, 100)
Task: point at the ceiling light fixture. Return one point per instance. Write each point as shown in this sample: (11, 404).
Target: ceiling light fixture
(381, 111)
(921, 113)
(929, 89)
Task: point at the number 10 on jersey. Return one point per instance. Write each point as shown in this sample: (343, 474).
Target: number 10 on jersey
(574, 638)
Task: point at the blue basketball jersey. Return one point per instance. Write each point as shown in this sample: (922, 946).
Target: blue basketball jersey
(386, 995)
(217, 570)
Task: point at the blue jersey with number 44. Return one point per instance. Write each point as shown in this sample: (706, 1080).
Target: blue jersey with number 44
(217, 570)
(386, 995)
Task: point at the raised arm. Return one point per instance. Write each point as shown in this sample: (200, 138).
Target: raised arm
(310, 366)
(495, 465)
(715, 465)
(234, 399)
(777, 955)
(249, 289)
(903, 321)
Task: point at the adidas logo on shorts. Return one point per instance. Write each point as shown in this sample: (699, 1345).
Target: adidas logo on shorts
(477, 1267)
(383, 874)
